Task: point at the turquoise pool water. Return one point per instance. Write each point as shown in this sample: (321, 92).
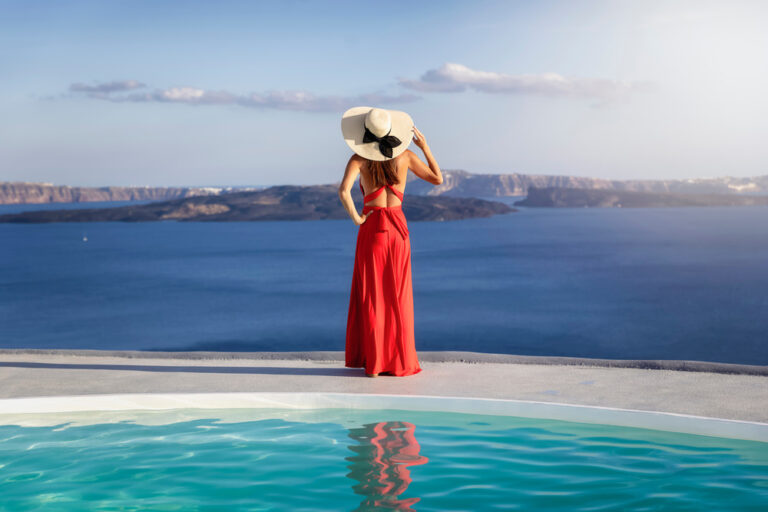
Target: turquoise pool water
(340, 459)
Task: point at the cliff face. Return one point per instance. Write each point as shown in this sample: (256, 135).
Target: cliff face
(464, 184)
(607, 198)
(23, 193)
(275, 203)
(456, 183)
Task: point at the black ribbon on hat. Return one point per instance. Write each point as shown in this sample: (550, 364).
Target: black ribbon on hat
(386, 142)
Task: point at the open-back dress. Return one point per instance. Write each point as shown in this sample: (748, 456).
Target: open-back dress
(380, 322)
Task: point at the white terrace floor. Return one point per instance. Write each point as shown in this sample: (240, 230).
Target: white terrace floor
(705, 389)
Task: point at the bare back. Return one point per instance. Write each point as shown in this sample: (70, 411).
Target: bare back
(386, 198)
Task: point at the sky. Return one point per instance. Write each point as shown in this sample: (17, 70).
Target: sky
(230, 93)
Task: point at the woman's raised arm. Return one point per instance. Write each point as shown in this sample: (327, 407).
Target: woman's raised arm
(430, 173)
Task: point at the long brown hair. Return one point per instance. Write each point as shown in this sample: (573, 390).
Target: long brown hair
(383, 171)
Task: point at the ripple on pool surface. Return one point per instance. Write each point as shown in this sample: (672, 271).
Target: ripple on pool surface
(338, 459)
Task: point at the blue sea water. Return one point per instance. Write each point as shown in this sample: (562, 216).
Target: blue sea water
(655, 283)
(342, 459)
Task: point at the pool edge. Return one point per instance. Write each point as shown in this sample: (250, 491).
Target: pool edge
(635, 418)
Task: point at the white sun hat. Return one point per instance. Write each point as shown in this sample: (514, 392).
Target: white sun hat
(377, 133)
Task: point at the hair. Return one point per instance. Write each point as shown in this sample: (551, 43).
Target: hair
(383, 172)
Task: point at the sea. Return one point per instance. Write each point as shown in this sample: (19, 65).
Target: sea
(619, 283)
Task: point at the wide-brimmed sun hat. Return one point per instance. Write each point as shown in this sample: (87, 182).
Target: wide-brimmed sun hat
(377, 133)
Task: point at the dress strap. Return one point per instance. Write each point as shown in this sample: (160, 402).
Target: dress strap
(397, 192)
(375, 193)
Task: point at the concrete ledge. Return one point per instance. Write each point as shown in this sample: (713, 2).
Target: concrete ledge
(728, 396)
(424, 355)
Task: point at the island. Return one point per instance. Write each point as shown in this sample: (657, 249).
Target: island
(555, 197)
(284, 202)
(456, 183)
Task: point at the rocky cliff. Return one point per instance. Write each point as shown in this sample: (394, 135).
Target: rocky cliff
(606, 198)
(456, 183)
(23, 192)
(464, 184)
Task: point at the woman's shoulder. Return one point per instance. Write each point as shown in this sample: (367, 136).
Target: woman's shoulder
(406, 157)
(354, 157)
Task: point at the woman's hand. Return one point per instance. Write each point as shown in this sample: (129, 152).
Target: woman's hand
(361, 218)
(419, 139)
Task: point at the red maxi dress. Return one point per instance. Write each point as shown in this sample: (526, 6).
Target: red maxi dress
(380, 322)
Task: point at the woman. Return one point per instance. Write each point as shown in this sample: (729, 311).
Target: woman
(380, 324)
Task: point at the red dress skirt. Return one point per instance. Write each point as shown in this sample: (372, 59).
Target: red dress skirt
(380, 333)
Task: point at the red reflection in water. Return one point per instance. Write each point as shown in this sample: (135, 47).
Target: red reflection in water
(381, 463)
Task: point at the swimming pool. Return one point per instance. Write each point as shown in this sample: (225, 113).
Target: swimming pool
(278, 458)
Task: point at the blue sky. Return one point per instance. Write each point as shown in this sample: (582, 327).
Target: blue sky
(251, 93)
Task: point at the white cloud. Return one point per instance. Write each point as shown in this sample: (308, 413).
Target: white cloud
(279, 99)
(107, 87)
(183, 94)
(450, 77)
(453, 77)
